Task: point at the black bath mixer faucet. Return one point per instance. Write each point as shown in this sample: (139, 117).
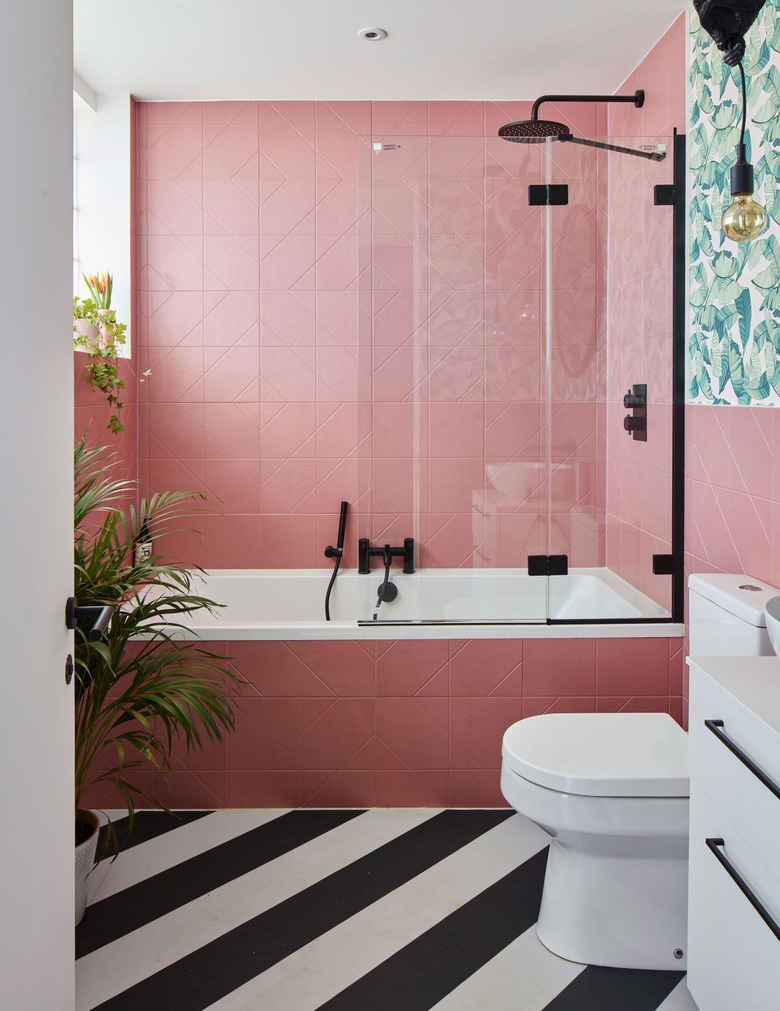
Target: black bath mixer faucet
(366, 553)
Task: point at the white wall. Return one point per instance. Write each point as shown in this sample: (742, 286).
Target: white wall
(103, 195)
(36, 508)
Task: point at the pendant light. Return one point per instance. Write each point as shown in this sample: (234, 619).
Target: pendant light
(744, 219)
(727, 22)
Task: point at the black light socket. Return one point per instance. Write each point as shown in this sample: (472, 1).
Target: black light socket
(741, 174)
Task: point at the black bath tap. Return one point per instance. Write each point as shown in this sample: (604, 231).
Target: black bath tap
(366, 553)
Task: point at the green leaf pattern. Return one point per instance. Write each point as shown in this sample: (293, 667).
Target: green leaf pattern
(734, 291)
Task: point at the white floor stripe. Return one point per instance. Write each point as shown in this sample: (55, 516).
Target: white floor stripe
(525, 976)
(309, 977)
(679, 1000)
(171, 848)
(110, 970)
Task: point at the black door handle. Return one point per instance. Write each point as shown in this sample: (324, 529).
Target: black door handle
(100, 615)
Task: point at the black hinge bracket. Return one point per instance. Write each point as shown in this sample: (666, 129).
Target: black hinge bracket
(548, 565)
(665, 196)
(663, 565)
(548, 195)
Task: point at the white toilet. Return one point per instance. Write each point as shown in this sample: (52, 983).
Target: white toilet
(612, 791)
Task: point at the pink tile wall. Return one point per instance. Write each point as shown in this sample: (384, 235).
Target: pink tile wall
(323, 323)
(732, 492)
(403, 723)
(639, 320)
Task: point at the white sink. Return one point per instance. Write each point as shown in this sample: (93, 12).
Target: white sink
(772, 611)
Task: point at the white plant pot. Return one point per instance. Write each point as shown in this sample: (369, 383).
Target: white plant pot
(90, 333)
(85, 860)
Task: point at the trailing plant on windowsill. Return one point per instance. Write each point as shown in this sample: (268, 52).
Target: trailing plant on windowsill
(97, 331)
(139, 689)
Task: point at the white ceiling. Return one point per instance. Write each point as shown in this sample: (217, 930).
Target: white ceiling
(307, 49)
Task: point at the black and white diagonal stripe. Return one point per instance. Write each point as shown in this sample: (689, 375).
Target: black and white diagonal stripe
(381, 910)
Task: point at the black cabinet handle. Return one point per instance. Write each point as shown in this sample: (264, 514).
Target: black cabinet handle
(715, 847)
(100, 616)
(715, 727)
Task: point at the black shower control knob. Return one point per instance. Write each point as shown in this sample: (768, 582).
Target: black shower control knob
(633, 424)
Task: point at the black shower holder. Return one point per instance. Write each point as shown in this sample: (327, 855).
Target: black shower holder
(636, 402)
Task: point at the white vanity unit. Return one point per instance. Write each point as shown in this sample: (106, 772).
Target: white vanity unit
(734, 873)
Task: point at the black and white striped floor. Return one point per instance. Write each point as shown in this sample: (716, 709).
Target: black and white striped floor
(379, 910)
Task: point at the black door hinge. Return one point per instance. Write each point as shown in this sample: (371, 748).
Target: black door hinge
(548, 565)
(664, 196)
(663, 565)
(548, 195)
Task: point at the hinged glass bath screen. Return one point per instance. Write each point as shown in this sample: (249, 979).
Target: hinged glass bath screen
(510, 294)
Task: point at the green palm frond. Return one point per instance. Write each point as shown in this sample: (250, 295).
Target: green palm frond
(141, 689)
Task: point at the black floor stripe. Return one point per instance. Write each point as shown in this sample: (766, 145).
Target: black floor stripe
(111, 918)
(146, 825)
(601, 989)
(218, 968)
(420, 975)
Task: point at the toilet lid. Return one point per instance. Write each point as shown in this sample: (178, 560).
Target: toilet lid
(601, 754)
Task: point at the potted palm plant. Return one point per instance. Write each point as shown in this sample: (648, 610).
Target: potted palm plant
(139, 689)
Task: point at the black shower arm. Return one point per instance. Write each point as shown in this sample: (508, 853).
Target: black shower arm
(637, 99)
(652, 155)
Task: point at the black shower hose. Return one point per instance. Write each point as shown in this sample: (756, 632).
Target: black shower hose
(336, 553)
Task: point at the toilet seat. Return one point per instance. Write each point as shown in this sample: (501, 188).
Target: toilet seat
(601, 754)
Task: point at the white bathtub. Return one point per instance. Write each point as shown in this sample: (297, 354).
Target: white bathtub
(431, 604)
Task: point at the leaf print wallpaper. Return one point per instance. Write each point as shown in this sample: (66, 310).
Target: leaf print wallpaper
(734, 289)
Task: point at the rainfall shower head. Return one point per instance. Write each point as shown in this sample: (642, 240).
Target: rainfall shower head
(535, 130)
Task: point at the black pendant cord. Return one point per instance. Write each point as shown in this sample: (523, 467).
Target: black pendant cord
(744, 105)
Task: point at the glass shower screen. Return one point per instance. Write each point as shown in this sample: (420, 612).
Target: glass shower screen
(508, 293)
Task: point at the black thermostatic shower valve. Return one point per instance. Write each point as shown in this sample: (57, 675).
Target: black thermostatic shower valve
(636, 422)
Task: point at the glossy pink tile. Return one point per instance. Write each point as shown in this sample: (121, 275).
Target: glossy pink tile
(477, 726)
(231, 374)
(345, 788)
(231, 430)
(346, 669)
(288, 485)
(287, 262)
(192, 789)
(416, 730)
(413, 668)
(559, 667)
(632, 666)
(264, 788)
(231, 541)
(289, 542)
(334, 731)
(486, 667)
(475, 788)
(418, 788)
